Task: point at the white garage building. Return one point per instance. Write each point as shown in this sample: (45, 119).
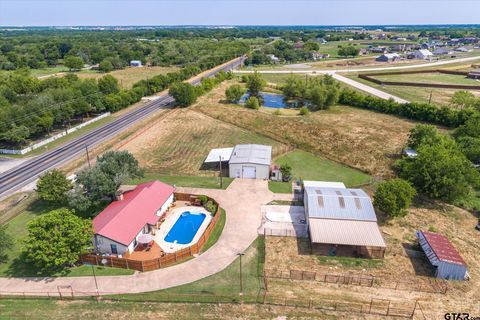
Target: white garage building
(248, 161)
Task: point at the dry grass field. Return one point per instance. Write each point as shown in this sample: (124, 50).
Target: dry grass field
(179, 143)
(457, 224)
(359, 138)
(128, 76)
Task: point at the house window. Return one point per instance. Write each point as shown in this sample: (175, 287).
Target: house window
(113, 247)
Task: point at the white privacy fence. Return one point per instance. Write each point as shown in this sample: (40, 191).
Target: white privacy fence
(53, 138)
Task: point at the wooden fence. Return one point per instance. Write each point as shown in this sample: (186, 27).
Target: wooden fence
(382, 307)
(431, 286)
(163, 261)
(370, 77)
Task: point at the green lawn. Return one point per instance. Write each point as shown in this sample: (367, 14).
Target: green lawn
(186, 181)
(224, 285)
(16, 266)
(217, 231)
(433, 77)
(307, 166)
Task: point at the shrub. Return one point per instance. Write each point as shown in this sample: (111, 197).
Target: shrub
(286, 171)
(203, 199)
(252, 103)
(394, 196)
(277, 112)
(304, 111)
(211, 207)
(234, 93)
(421, 134)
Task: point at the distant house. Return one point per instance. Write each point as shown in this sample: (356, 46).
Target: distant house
(298, 45)
(273, 59)
(388, 57)
(443, 52)
(422, 54)
(318, 55)
(135, 212)
(321, 40)
(363, 52)
(341, 221)
(463, 49)
(474, 74)
(378, 49)
(135, 63)
(443, 256)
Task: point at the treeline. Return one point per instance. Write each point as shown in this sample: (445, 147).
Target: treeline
(111, 49)
(317, 93)
(30, 108)
(441, 115)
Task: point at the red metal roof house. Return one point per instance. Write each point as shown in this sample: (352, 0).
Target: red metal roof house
(135, 211)
(443, 256)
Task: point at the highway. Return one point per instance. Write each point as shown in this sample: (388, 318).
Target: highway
(29, 171)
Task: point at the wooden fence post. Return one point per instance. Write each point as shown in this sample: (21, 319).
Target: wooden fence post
(142, 267)
(388, 308)
(370, 309)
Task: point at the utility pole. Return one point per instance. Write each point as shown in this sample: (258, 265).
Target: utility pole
(221, 179)
(430, 99)
(88, 157)
(241, 280)
(95, 278)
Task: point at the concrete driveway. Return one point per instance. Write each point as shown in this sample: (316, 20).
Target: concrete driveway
(242, 202)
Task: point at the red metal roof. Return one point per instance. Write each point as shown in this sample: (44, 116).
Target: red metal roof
(123, 219)
(443, 248)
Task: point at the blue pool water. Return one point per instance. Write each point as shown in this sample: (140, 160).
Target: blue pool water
(185, 228)
(270, 100)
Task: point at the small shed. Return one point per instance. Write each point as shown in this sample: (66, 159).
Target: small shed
(443, 256)
(135, 63)
(387, 57)
(474, 74)
(250, 161)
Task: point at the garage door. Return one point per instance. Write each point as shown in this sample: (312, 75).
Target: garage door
(249, 172)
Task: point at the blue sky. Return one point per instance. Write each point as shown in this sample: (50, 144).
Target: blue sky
(237, 12)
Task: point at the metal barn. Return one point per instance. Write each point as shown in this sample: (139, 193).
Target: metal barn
(250, 161)
(443, 256)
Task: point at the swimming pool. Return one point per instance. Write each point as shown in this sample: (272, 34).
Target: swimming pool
(185, 228)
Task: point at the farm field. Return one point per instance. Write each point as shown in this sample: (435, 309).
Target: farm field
(358, 138)
(307, 166)
(179, 143)
(433, 77)
(128, 76)
(284, 253)
(415, 94)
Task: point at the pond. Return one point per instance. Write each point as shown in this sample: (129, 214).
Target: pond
(270, 100)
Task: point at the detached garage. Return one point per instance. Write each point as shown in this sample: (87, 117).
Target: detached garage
(250, 161)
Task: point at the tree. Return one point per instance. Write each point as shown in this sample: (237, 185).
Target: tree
(348, 51)
(234, 93)
(17, 135)
(440, 171)
(252, 103)
(108, 84)
(183, 93)
(105, 66)
(464, 99)
(6, 243)
(470, 147)
(286, 171)
(470, 128)
(394, 196)
(73, 62)
(53, 186)
(111, 170)
(255, 84)
(56, 239)
(423, 134)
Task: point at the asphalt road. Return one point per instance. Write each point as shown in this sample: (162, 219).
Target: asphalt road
(29, 171)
